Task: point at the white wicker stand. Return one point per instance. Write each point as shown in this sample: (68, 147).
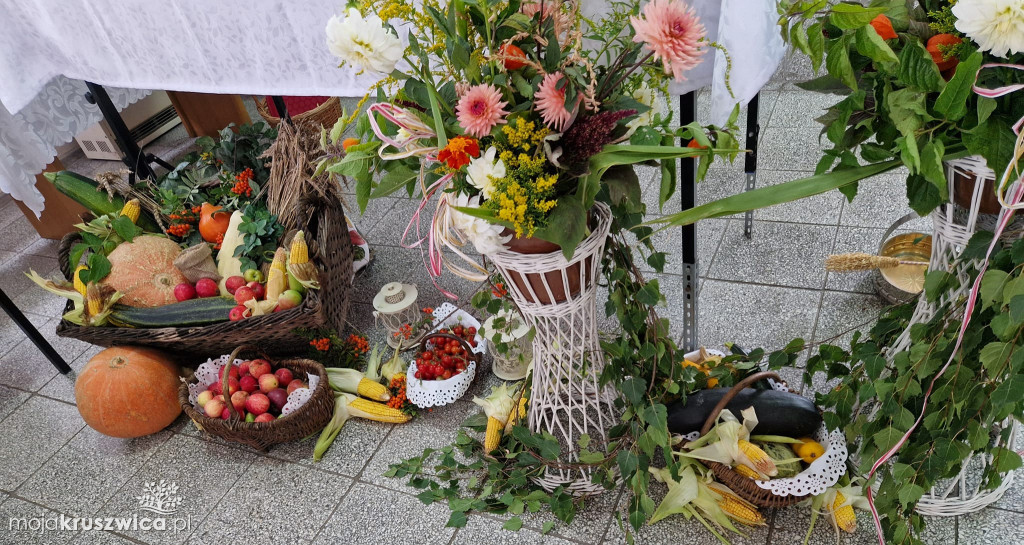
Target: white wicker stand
(566, 400)
(954, 226)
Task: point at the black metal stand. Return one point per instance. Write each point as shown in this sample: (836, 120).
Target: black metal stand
(282, 110)
(750, 160)
(687, 200)
(137, 160)
(33, 334)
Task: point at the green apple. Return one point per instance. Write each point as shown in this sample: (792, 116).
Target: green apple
(295, 285)
(249, 417)
(289, 299)
(253, 275)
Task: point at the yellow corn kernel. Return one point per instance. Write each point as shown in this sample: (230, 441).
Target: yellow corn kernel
(741, 511)
(748, 472)
(758, 458)
(131, 209)
(371, 410)
(79, 285)
(493, 436)
(93, 300)
(372, 390)
(300, 251)
(843, 516)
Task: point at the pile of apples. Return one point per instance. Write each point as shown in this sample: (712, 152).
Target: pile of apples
(204, 287)
(258, 391)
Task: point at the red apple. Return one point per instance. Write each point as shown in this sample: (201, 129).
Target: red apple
(258, 368)
(225, 414)
(243, 368)
(233, 283)
(184, 291)
(207, 287)
(258, 290)
(249, 384)
(265, 417)
(284, 377)
(215, 388)
(233, 386)
(289, 299)
(244, 294)
(214, 407)
(278, 398)
(295, 385)
(238, 400)
(204, 397)
(257, 404)
(268, 382)
(232, 372)
(237, 313)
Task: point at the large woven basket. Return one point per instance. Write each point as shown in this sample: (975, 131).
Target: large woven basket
(744, 487)
(331, 250)
(310, 418)
(325, 114)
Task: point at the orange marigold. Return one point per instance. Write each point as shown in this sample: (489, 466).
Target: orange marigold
(459, 151)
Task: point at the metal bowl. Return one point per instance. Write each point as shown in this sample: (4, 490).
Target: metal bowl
(904, 282)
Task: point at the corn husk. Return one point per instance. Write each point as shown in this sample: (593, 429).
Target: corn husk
(500, 403)
(80, 313)
(721, 444)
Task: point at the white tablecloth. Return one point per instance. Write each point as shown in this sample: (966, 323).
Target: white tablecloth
(262, 47)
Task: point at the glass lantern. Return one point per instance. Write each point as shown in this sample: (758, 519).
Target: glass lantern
(395, 306)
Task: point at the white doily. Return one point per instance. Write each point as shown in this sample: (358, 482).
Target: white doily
(209, 372)
(436, 393)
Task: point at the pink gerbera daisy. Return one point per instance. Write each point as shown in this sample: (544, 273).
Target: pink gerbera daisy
(672, 31)
(480, 109)
(550, 102)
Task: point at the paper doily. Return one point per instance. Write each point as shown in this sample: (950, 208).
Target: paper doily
(436, 393)
(209, 372)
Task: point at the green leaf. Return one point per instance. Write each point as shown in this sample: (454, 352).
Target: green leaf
(566, 225)
(932, 168)
(992, 285)
(909, 494)
(994, 356)
(397, 176)
(886, 438)
(952, 102)
(798, 37)
(1005, 460)
(634, 389)
(985, 108)
(513, 524)
(1009, 391)
(623, 185)
(457, 520)
(816, 43)
(838, 62)
(99, 268)
(547, 527)
(125, 228)
(922, 195)
(917, 69)
(994, 140)
(850, 16)
(871, 45)
(776, 194)
(1017, 309)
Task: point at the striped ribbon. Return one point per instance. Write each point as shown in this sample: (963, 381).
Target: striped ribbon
(1009, 206)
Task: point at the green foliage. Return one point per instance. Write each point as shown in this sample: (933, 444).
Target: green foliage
(99, 237)
(261, 235)
(880, 393)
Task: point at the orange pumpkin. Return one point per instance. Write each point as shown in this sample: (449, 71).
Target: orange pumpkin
(128, 392)
(213, 222)
(143, 271)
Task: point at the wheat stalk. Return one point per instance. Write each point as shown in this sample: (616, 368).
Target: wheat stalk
(858, 261)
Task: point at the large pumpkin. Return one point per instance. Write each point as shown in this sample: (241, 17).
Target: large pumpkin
(128, 392)
(143, 271)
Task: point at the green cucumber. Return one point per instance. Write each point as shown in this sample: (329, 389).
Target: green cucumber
(87, 193)
(191, 313)
(778, 413)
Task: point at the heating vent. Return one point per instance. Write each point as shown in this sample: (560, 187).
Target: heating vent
(154, 123)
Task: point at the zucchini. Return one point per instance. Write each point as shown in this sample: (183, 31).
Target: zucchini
(87, 192)
(191, 313)
(778, 413)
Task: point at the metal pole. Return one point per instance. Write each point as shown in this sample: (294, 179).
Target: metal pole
(282, 109)
(750, 160)
(132, 154)
(687, 200)
(33, 334)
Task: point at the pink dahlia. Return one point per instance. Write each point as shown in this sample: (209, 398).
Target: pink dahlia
(550, 102)
(672, 31)
(480, 109)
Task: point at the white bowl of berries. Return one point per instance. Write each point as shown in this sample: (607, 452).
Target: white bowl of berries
(446, 362)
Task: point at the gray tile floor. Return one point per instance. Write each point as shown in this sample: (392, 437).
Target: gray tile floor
(760, 292)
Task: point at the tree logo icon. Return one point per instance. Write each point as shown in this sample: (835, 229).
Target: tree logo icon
(161, 498)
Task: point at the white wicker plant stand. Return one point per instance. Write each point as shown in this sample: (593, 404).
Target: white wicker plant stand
(954, 226)
(566, 399)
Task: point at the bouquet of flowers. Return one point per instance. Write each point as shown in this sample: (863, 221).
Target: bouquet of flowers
(516, 116)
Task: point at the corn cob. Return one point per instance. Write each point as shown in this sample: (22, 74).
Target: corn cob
(495, 428)
(131, 209)
(747, 472)
(277, 280)
(299, 250)
(759, 459)
(93, 300)
(741, 511)
(371, 410)
(354, 382)
(79, 285)
(843, 515)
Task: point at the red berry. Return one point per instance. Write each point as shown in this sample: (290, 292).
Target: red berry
(471, 330)
(419, 374)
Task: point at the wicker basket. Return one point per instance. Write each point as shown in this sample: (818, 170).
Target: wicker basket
(326, 114)
(330, 249)
(310, 418)
(745, 487)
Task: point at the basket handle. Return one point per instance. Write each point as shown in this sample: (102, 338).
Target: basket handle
(64, 253)
(225, 391)
(733, 392)
(326, 222)
(470, 355)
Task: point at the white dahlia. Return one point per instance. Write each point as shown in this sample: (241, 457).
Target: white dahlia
(484, 170)
(996, 26)
(364, 42)
(486, 237)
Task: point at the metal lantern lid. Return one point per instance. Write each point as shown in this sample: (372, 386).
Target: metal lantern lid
(508, 335)
(394, 297)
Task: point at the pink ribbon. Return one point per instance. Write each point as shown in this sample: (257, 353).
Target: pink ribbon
(1004, 220)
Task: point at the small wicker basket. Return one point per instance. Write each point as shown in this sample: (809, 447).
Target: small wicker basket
(325, 114)
(310, 418)
(438, 393)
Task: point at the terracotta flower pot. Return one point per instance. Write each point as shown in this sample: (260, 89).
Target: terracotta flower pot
(963, 190)
(536, 281)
